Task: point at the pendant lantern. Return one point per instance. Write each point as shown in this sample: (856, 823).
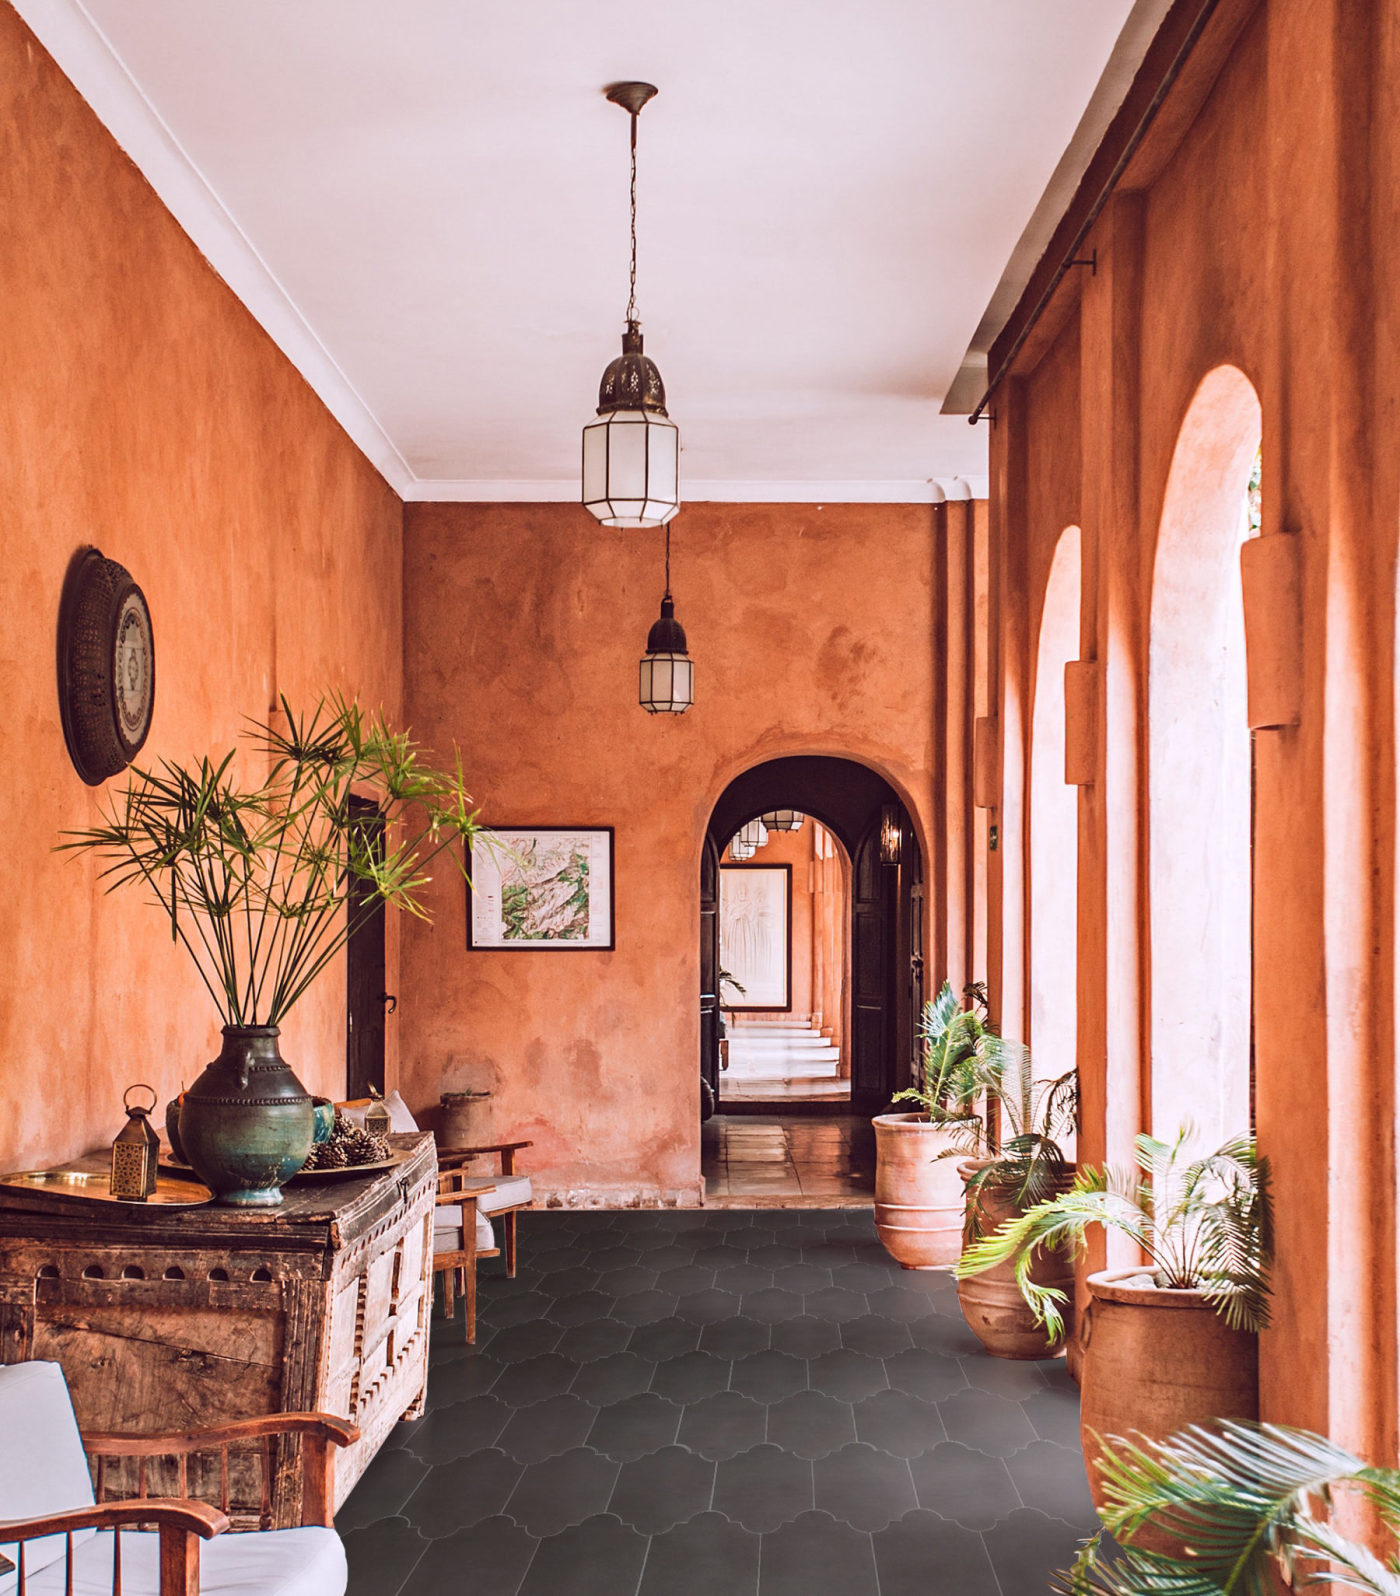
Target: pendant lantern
(631, 452)
(739, 849)
(783, 819)
(666, 674)
(755, 834)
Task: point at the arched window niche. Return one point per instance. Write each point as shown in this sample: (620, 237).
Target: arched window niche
(1054, 824)
(1200, 771)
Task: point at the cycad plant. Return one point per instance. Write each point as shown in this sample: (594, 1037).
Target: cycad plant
(1206, 1224)
(1250, 1501)
(951, 1040)
(964, 1064)
(264, 884)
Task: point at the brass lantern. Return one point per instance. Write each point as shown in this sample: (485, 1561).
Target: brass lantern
(136, 1152)
(891, 835)
(631, 451)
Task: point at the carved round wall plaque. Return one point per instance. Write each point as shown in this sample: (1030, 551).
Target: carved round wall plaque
(106, 666)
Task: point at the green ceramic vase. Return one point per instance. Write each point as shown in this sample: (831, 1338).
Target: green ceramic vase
(246, 1124)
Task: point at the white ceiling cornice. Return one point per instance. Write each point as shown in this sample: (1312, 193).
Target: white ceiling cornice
(937, 490)
(81, 49)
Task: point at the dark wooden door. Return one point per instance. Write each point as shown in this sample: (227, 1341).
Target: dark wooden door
(873, 1024)
(914, 1008)
(364, 975)
(709, 965)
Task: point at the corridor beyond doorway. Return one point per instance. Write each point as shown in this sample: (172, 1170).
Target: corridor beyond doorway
(774, 1063)
(788, 1161)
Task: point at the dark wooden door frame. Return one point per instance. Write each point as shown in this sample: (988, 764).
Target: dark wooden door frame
(366, 1000)
(848, 798)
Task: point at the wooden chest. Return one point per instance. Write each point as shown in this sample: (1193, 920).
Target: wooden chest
(177, 1319)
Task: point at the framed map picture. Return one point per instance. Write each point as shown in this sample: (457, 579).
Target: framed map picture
(537, 888)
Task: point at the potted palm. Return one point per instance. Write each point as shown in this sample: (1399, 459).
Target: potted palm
(256, 881)
(1172, 1343)
(1026, 1166)
(1250, 1501)
(918, 1193)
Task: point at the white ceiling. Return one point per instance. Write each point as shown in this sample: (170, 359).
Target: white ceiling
(425, 202)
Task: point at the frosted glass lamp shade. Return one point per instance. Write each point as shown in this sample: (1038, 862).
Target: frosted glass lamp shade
(755, 834)
(631, 468)
(783, 819)
(739, 849)
(666, 683)
(666, 676)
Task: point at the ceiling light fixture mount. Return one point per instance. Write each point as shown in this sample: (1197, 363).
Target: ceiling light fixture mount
(631, 451)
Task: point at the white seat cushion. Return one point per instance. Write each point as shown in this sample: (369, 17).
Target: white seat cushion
(294, 1562)
(447, 1229)
(511, 1191)
(43, 1468)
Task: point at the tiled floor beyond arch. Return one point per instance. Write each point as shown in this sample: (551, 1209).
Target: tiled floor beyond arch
(721, 1404)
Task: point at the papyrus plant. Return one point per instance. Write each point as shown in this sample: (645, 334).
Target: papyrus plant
(264, 884)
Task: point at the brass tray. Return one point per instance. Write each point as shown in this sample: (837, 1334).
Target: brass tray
(75, 1185)
(346, 1171)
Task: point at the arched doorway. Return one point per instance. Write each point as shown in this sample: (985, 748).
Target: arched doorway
(1200, 772)
(1054, 824)
(885, 971)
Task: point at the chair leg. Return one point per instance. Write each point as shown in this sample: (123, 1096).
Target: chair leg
(449, 1306)
(469, 1267)
(510, 1244)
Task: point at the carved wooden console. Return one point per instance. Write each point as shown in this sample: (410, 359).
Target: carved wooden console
(169, 1320)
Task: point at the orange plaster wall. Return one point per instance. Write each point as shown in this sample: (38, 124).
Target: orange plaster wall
(142, 410)
(1265, 240)
(811, 632)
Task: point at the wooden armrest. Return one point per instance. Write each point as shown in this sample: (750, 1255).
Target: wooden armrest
(177, 1512)
(449, 1198)
(473, 1152)
(323, 1426)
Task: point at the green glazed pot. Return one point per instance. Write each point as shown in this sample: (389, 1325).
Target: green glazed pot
(246, 1124)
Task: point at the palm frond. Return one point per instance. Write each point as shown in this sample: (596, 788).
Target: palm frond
(1241, 1498)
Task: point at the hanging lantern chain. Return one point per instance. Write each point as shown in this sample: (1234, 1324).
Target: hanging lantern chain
(668, 559)
(632, 278)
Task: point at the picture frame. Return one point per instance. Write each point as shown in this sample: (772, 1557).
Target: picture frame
(541, 889)
(755, 935)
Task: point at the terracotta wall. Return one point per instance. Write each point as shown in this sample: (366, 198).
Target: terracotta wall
(1256, 229)
(813, 631)
(142, 410)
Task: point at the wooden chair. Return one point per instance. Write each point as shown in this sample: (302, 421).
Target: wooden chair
(461, 1235)
(503, 1194)
(66, 1537)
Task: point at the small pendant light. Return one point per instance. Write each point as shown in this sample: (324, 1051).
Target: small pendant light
(783, 819)
(755, 834)
(666, 675)
(739, 849)
(631, 453)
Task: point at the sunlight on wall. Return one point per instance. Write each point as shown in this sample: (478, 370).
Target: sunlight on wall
(1054, 841)
(1199, 758)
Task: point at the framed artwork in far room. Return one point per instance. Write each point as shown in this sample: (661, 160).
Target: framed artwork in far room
(541, 889)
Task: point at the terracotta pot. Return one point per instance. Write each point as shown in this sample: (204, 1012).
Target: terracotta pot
(1156, 1361)
(918, 1195)
(457, 1124)
(996, 1312)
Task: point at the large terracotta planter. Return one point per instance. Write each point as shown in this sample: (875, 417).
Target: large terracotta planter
(918, 1195)
(996, 1312)
(1156, 1361)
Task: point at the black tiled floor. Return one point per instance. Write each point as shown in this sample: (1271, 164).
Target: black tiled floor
(721, 1404)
